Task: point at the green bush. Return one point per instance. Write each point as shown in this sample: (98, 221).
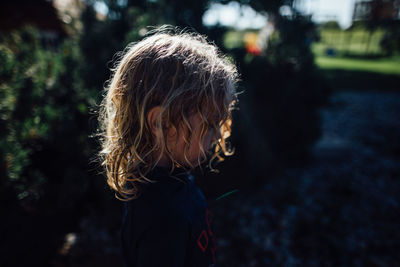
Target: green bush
(44, 145)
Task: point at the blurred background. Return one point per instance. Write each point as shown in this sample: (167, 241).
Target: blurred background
(315, 178)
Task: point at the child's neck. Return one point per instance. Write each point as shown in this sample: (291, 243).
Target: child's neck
(164, 162)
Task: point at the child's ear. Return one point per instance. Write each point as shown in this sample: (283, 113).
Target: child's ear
(152, 118)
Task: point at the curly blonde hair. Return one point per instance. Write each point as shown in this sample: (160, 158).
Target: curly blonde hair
(183, 74)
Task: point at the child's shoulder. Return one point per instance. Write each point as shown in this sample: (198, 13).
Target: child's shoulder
(172, 194)
(164, 194)
(167, 185)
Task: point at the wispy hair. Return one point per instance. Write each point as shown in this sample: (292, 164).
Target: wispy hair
(183, 74)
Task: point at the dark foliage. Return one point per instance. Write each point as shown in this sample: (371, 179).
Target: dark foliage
(44, 145)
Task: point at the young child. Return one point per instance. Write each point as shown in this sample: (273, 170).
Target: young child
(166, 106)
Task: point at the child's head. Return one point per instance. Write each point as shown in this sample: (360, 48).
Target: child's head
(168, 103)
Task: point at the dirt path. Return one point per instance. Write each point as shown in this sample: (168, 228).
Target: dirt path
(340, 210)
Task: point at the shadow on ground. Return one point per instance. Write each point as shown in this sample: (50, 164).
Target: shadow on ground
(361, 80)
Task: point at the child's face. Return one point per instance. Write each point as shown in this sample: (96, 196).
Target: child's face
(177, 142)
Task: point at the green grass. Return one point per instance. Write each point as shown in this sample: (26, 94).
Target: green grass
(356, 64)
(233, 39)
(383, 65)
(356, 50)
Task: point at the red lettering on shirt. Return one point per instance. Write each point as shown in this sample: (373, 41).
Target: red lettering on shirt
(202, 240)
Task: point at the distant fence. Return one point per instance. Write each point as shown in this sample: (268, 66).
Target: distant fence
(358, 42)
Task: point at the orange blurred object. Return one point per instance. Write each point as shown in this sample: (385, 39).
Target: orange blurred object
(253, 49)
(251, 43)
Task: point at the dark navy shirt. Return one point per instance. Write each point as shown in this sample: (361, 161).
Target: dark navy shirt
(169, 224)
